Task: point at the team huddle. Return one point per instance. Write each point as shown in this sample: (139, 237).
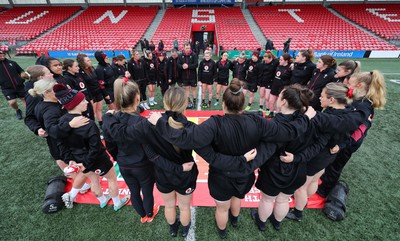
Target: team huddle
(317, 116)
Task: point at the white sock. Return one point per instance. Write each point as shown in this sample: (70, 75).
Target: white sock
(85, 186)
(151, 99)
(116, 201)
(74, 192)
(102, 199)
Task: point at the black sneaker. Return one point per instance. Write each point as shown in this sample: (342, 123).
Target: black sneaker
(233, 220)
(222, 233)
(173, 228)
(260, 224)
(190, 105)
(18, 114)
(275, 223)
(204, 105)
(185, 230)
(293, 216)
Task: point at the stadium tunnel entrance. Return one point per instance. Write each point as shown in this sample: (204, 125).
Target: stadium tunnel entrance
(206, 35)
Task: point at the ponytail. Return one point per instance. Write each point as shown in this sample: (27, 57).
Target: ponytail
(377, 90)
(33, 72)
(41, 86)
(175, 102)
(125, 93)
(374, 87)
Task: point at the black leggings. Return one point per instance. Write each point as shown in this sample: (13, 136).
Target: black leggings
(140, 179)
(142, 88)
(332, 172)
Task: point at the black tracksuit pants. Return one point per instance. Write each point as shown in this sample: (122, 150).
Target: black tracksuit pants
(332, 173)
(140, 179)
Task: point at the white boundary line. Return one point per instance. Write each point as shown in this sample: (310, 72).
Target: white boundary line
(191, 235)
(199, 90)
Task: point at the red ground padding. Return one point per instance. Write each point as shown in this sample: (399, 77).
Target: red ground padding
(201, 196)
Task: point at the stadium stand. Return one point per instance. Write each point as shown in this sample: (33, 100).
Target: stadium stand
(98, 28)
(175, 24)
(25, 23)
(382, 19)
(233, 30)
(313, 26)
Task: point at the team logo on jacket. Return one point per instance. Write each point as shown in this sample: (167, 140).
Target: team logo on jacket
(305, 67)
(189, 190)
(98, 172)
(11, 64)
(151, 65)
(325, 76)
(206, 67)
(251, 68)
(82, 85)
(278, 73)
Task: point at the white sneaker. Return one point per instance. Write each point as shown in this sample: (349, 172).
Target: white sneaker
(146, 106)
(142, 105)
(154, 102)
(124, 201)
(68, 202)
(151, 103)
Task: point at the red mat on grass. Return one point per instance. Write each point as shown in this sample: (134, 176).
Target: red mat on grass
(201, 196)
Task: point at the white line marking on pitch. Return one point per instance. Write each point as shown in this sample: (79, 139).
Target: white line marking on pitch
(191, 235)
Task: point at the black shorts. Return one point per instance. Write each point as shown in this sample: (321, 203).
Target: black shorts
(109, 92)
(207, 82)
(53, 148)
(252, 87)
(184, 183)
(320, 162)
(223, 82)
(277, 87)
(192, 82)
(12, 94)
(101, 167)
(223, 188)
(265, 84)
(272, 184)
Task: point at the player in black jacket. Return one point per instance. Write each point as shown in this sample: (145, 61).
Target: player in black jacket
(75, 81)
(252, 74)
(226, 134)
(267, 70)
(369, 92)
(188, 63)
(222, 79)
(162, 73)
(11, 83)
(119, 67)
(137, 69)
(83, 145)
(175, 176)
(151, 69)
(303, 67)
(334, 99)
(47, 112)
(32, 74)
(97, 91)
(174, 73)
(345, 69)
(239, 68)
(278, 180)
(106, 76)
(206, 75)
(282, 78)
(322, 75)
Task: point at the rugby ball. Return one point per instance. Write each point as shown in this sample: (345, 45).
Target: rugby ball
(71, 169)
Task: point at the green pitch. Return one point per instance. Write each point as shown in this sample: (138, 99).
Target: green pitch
(373, 175)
